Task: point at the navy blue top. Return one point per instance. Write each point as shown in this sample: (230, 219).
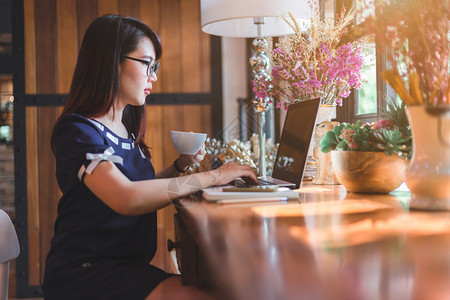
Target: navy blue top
(86, 229)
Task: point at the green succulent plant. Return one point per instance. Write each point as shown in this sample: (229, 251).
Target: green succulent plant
(394, 142)
(396, 112)
(391, 136)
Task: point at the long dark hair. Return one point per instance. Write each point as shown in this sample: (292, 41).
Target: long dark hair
(95, 82)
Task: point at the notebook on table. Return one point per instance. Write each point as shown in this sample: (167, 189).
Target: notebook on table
(292, 152)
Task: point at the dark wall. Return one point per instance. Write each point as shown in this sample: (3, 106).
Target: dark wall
(5, 37)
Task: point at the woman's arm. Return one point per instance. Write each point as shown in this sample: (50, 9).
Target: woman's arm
(169, 172)
(138, 197)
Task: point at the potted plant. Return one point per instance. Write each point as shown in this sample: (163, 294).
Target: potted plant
(371, 158)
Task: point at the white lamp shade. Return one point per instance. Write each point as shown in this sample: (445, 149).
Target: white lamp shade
(234, 18)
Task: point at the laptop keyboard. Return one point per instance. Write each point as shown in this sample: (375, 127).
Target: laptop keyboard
(239, 182)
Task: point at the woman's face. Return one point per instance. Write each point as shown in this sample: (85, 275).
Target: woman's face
(135, 85)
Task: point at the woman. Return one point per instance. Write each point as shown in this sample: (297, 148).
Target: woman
(105, 232)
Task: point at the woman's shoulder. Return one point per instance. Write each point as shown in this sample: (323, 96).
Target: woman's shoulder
(79, 121)
(73, 118)
(77, 125)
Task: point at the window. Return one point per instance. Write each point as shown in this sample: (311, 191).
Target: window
(366, 100)
(367, 103)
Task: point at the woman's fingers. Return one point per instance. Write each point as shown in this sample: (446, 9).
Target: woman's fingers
(188, 160)
(232, 170)
(201, 153)
(251, 177)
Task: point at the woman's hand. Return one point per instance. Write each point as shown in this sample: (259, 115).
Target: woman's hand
(184, 161)
(231, 170)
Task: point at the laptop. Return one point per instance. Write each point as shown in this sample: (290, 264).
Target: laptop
(294, 143)
(292, 152)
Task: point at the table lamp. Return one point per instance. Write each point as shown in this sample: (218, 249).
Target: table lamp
(254, 19)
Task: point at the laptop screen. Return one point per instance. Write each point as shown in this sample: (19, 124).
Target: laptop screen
(294, 142)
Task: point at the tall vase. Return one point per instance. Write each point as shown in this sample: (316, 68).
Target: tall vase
(324, 170)
(428, 175)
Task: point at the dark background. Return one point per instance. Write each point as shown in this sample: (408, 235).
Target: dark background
(5, 37)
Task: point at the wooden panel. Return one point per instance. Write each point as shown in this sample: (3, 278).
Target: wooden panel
(30, 50)
(160, 258)
(166, 231)
(150, 15)
(48, 188)
(173, 120)
(12, 285)
(67, 42)
(206, 118)
(191, 45)
(187, 253)
(169, 233)
(129, 8)
(86, 12)
(32, 196)
(154, 135)
(107, 7)
(206, 63)
(46, 52)
(192, 120)
(46, 82)
(170, 67)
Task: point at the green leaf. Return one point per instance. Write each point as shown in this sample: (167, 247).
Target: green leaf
(328, 142)
(338, 129)
(397, 113)
(342, 145)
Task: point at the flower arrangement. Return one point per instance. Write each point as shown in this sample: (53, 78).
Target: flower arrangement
(415, 33)
(391, 135)
(313, 63)
(246, 153)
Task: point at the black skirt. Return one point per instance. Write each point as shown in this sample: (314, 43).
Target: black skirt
(103, 280)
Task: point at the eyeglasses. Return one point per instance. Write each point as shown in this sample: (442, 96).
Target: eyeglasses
(151, 67)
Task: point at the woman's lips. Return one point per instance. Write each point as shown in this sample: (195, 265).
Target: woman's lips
(147, 91)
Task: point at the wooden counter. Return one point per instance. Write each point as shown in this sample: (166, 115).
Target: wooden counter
(329, 245)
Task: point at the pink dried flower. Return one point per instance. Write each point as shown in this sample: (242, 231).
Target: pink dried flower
(415, 32)
(315, 63)
(383, 123)
(347, 134)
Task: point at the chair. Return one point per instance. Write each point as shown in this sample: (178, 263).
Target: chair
(9, 249)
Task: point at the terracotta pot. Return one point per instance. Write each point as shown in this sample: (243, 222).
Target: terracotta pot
(368, 172)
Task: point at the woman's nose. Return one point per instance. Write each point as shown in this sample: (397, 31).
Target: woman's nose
(152, 78)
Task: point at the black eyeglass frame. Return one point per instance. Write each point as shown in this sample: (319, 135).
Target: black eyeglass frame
(151, 68)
